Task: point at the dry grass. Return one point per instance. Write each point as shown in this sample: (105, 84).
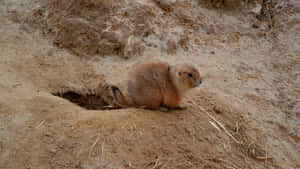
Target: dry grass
(220, 125)
(249, 146)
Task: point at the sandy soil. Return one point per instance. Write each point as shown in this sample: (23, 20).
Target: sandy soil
(245, 115)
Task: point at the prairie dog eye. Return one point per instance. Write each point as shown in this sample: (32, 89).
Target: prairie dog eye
(190, 74)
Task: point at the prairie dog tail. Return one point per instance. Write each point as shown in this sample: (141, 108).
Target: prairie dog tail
(119, 98)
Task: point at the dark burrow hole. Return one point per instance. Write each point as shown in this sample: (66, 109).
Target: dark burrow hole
(88, 101)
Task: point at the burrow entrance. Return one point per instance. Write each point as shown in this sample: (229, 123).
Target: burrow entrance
(90, 99)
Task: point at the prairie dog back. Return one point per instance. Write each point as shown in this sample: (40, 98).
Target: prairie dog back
(155, 84)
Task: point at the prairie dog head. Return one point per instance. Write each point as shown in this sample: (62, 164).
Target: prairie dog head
(186, 77)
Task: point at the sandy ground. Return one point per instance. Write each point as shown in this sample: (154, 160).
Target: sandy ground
(245, 115)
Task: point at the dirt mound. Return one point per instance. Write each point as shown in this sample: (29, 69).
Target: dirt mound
(184, 139)
(244, 115)
(91, 27)
(52, 132)
(126, 28)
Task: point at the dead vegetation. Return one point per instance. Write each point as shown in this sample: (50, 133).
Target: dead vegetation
(236, 130)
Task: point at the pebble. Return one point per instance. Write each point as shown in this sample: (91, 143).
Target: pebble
(297, 78)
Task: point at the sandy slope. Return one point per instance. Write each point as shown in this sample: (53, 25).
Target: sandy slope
(250, 87)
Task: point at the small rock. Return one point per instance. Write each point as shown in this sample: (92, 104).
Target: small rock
(257, 9)
(290, 105)
(255, 25)
(270, 121)
(183, 42)
(298, 115)
(297, 78)
(16, 85)
(218, 110)
(282, 115)
(53, 150)
(295, 134)
(210, 30)
(50, 52)
(165, 5)
(47, 134)
(127, 163)
(172, 47)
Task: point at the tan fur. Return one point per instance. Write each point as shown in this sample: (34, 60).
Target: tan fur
(155, 84)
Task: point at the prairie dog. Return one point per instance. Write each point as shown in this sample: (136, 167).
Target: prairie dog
(156, 84)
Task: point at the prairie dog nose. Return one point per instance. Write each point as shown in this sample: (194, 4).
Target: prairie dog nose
(197, 83)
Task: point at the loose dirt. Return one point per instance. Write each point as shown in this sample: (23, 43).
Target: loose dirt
(55, 106)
